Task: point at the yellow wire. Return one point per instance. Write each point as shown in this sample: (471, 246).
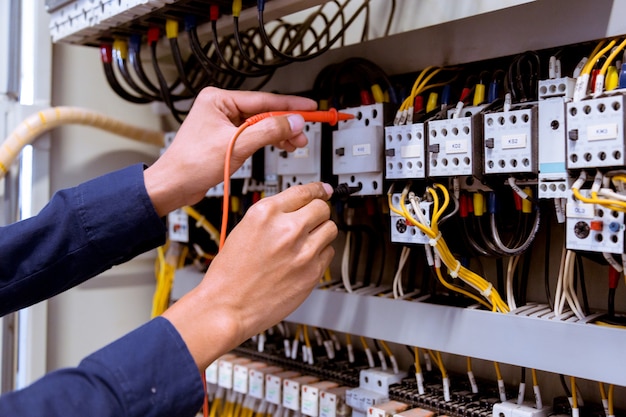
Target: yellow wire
(416, 353)
(460, 290)
(469, 364)
(602, 391)
(436, 356)
(498, 373)
(364, 343)
(305, 332)
(534, 373)
(386, 347)
(574, 394)
(611, 57)
(591, 62)
(206, 225)
(610, 399)
(611, 204)
(217, 404)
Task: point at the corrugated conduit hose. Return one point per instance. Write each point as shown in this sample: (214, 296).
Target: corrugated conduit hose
(35, 125)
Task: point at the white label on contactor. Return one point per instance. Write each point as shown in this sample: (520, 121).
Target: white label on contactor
(361, 149)
(456, 146)
(602, 132)
(412, 151)
(513, 141)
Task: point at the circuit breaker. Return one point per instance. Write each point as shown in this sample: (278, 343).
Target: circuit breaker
(595, 133)
(405, 152)
(358, 149)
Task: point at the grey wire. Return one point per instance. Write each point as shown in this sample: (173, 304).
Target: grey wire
(520, 249)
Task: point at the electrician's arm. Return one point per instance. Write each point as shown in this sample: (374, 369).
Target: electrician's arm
(194, 162)
(80, 233)
(270, 263)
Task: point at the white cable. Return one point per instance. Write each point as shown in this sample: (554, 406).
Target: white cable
(568, 287)
(558, 296)
(345, 263)
(510, 294)
(397, 279)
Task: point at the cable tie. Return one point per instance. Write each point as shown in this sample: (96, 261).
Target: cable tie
(433, 242)
(455, 272)
(487, 292)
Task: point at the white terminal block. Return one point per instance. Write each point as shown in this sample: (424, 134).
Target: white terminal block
(373, 389)
(388, 409)
(595, 133)
(212, 371)
(292, 388)
(554, 181)
(510, 140)
(401, 232)
(303, 165)
(455, 147)
(226, 370)
(333, 403)
(360, 399)
(512, 409)
(274, 386)
(593, 228)
(405, 155)
(256, 380)
(358, 149)
(310, 397)
(241, 375)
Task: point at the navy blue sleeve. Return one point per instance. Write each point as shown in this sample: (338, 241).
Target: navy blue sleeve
(80, 233)
(147, 373)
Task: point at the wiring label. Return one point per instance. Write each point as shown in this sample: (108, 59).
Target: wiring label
(361, 149)
(602, 132)
(456, 146)
(514, 141)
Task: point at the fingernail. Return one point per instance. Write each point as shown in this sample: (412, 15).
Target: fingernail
(328, 188)
(296, 122)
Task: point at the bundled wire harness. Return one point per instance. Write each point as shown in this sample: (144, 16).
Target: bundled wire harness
(437, 242)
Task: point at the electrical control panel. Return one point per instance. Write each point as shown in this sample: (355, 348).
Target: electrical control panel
(358, 149)
(593, 228)
(455, 146)
(510, 140)
(595, 133)
(405, 151)
(303, 165)
(553, 177)
(401, 230)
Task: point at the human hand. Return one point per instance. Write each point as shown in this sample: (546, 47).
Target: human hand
(194, 162)
(270, 263)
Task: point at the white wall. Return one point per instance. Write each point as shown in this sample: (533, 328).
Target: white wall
(104, 308)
